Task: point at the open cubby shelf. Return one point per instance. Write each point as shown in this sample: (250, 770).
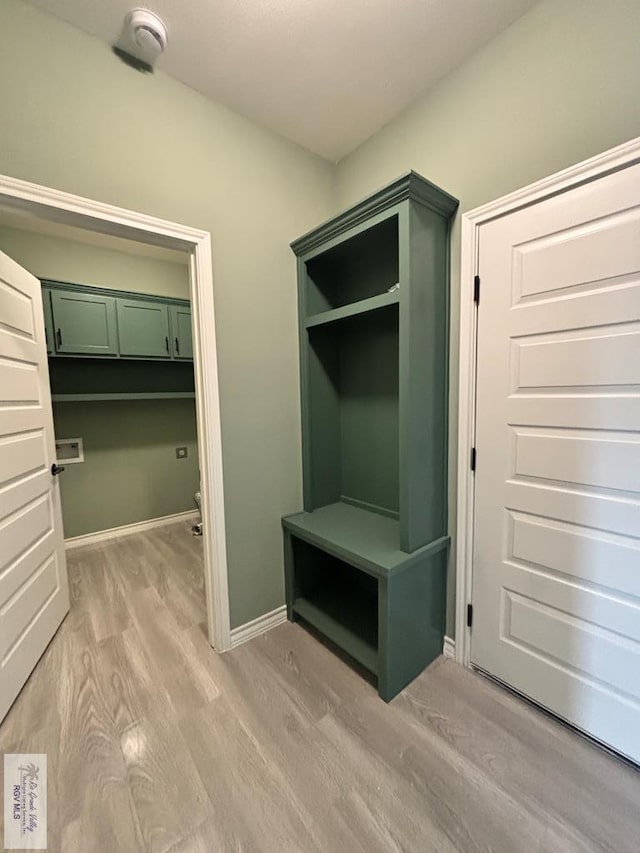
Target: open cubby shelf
(358, 269)
(339, 601)
(323, 614)
(353, 393)
(365, 561)
(383, 608)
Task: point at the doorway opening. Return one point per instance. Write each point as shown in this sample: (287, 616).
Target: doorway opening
(184, 374)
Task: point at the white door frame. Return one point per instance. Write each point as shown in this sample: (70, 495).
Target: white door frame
(611, 161)
(90, 215)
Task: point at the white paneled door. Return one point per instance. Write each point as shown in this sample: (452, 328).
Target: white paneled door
(556, 565)
(34, 595)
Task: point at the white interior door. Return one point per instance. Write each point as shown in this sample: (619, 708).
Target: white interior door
(34, 596)
(556, 565)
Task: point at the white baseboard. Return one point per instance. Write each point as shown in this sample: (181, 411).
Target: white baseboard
(449, 649)
(244, 633)
(129, 529)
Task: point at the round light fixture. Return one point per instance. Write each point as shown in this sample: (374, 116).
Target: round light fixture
(147, 32)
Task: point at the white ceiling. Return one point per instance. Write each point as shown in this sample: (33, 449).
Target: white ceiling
(326, 74)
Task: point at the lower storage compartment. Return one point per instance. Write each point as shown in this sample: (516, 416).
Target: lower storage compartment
(386, 614)
(338, 600)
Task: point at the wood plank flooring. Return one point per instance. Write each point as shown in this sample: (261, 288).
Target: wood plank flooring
(155, 743)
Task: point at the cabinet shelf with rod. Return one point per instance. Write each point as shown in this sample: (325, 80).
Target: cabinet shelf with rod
(365, 562)
(132, 396)
(108, 344)
(84, 378)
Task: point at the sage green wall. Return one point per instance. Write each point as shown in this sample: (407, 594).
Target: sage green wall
(558, 86)
(48, 256)
(130, 472)
(76, 118)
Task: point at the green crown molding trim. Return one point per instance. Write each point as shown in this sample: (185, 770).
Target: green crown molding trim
(409, 186)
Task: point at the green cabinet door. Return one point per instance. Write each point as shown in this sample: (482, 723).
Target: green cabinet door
(143, 329)
(48, 321)
(181, 341)
(84, 323)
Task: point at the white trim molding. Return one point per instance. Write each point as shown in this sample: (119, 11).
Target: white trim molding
(129, 529)
(449, 648)
(611, 161)
(57, 206)
(258, 626)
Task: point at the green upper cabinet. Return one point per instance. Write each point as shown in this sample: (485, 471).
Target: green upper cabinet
(181, 341)
(84, 323)
(49, 335)
(143, 329)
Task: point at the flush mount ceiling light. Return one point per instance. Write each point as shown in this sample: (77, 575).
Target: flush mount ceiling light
(142, 40)
(147, 31)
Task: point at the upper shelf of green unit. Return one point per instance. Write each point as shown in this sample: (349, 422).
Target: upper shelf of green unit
(364, 306)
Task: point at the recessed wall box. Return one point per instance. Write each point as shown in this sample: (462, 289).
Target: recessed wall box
(69, 450)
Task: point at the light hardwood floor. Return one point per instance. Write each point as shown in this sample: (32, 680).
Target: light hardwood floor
(155, 743)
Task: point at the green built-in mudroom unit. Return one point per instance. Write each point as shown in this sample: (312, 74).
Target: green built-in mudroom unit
(365, 563)
(108, 344)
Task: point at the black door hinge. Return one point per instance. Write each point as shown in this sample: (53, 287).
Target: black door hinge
(469, 615)
(473, 458)
(476, 289)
